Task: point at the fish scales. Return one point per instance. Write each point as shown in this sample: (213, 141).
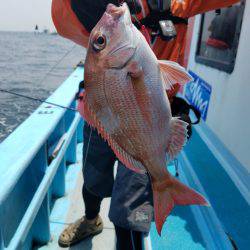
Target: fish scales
(131, 119)
(127, 125)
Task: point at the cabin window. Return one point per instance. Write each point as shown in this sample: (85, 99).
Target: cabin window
(219, 37)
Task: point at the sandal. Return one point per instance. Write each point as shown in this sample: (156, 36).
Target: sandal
(79, 231)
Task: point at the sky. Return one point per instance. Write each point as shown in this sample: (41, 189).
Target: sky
(23, 15)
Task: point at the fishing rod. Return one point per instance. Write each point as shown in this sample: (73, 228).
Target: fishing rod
(38, 100)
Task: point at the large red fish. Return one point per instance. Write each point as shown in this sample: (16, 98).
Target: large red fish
(125, 99)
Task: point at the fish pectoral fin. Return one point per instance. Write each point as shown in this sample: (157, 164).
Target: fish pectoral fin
(173, 73)
(119, 57)
(178, 137)
(134, 69)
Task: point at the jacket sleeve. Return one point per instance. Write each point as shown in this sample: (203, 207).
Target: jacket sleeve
(189, 8)
(66, 22)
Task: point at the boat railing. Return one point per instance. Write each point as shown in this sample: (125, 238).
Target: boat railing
(33, 163)
(35, 157)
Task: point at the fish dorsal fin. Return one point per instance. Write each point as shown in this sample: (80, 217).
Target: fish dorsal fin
(178, 137)
(173, 73)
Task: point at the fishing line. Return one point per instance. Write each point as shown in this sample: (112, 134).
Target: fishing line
(56, 64)
(87, 150)
(37, 99)
(41, 81)
(132, 240)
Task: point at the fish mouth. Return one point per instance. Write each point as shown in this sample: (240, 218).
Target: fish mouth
(119, 13)
(115, 11)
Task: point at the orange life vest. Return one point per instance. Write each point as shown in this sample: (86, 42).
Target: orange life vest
(68, 26)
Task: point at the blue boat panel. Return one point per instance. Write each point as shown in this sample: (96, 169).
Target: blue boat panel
(30, 179)
(224, 196)
(32, 134)
(16, 204)
(55, 137)
(70, 156)
(32, 182)
(201, 228)
(40, 230)
(58, 216)
(58, 184)
(80, 131)
(71, 151)
(180, 231)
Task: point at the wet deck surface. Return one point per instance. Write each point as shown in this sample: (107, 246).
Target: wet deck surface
(71, 207)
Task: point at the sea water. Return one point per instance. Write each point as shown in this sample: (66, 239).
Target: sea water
(25, 60)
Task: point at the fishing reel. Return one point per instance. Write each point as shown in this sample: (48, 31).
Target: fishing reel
(167, 30)
(162, 23)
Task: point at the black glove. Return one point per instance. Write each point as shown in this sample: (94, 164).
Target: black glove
(180, 108)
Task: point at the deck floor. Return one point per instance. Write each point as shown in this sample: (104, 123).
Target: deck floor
(71, 207)
(182, 230)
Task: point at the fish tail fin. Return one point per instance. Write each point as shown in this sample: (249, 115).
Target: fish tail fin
(169, 193)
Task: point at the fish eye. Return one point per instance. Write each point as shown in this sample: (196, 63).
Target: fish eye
(100, 40)
(99, 43)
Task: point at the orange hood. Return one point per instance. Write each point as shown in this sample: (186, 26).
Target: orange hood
(67, 24)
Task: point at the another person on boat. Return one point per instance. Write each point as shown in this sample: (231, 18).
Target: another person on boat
(131, 208)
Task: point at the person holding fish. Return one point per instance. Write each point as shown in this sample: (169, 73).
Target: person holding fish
(128, 111)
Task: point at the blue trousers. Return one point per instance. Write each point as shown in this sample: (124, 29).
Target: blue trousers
(131, 194)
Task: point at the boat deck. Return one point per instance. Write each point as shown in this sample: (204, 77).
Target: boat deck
(69, 208)
(181, 231)
(48, 193)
